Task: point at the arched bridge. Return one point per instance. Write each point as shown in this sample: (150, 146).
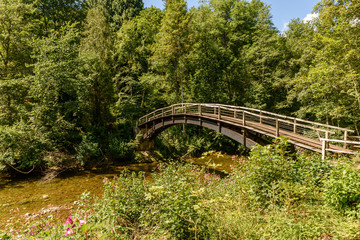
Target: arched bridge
(249, 126)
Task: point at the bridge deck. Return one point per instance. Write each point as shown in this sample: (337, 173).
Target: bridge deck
(299, 140)
(306, 134)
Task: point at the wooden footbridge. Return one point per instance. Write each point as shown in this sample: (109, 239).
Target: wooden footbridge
(250, 126)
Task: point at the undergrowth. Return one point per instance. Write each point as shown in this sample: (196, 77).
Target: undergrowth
(273, 194)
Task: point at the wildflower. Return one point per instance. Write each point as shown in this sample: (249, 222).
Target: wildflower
(69, 220)
(81, 222)
(104, 180)
(112, 231)
(69, 231)
(231, 181)
(113, 186)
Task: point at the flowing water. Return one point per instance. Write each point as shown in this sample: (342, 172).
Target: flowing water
(24, 199)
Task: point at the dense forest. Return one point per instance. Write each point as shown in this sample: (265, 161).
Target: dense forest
(76, 75)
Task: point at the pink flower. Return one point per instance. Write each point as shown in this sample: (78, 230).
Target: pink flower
(104, 180)
(69, 231)
(81, 222)
(231, 181)
(113, 186)
(69, 220)
(112, 231)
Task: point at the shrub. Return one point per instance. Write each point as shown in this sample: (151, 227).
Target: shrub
(88, 149)
(342, 189)
(120, 149)
(21, 146)
(275, 175)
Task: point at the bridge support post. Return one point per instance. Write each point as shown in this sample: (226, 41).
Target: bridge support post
(244, 118)
(345, 138)
(260, 117)
(219, 112)
(277, 128)
(323, 149)
(199, 109)
(327, 144)
(244, 137)
(295, 127)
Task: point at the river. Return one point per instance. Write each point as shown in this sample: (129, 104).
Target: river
(23, 200)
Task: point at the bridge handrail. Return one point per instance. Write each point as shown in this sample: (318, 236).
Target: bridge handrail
(295, 122)
(290, 118)
(285, 121)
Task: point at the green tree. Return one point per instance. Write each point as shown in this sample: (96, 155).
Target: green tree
(119, 11)
(328, 89)
(134, 48)
(95, 51)
(15, 35)
(55, 89)
(172, 46)
(54, 14)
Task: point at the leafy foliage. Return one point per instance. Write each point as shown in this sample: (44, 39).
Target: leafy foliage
(342, 189)
(72, 69)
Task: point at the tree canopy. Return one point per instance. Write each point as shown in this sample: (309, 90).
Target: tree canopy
(76, 75)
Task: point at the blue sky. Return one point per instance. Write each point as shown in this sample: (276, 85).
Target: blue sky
(282, 10)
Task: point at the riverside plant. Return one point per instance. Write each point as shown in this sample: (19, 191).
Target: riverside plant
(182, 201)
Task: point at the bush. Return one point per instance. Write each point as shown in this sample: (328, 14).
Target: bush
(342, 189)
(88, 150)
(120, 149)
(170, 202)
(276, 175)
(22, 147)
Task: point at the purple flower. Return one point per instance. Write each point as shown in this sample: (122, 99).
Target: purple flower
(69, 220)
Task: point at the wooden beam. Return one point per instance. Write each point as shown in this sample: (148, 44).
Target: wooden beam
(244, 118)
(345, 138)
(323, 150)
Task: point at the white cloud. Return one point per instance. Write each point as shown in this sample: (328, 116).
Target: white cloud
(285, 27)
(311, 17)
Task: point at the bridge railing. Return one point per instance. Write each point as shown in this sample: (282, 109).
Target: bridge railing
(243, 115)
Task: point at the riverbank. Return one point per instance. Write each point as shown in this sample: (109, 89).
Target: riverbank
(32, 198)
(273, 194)
(20, 199)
